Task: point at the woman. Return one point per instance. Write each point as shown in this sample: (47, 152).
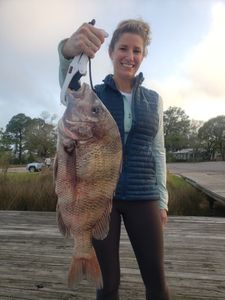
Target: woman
(141, 197)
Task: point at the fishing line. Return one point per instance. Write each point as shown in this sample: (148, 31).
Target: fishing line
(90, 76)
(89, 59)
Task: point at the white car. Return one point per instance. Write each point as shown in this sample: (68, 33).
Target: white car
(34, 167)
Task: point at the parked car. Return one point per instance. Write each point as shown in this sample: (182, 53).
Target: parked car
(35, 166)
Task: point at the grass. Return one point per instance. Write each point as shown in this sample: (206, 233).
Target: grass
(27, 191)
(184, 199)
(35, 191)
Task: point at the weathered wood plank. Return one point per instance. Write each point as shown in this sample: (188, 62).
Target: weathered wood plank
(34, 259)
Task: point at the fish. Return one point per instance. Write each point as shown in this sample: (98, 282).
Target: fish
(86, 171)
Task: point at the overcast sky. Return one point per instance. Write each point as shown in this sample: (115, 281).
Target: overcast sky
(185, 64)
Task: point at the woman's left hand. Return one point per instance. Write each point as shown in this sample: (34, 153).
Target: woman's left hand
(163, 217)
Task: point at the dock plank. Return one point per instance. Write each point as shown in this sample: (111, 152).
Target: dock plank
(34, 259)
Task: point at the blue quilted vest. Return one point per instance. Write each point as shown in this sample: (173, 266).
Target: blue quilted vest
(138, 177)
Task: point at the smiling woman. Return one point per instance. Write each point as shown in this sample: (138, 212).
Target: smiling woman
(127, 49)
(126, 56)
(141, 196)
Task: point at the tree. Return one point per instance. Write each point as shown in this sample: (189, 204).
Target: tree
(193, 140)
(212, 134)
(5, 151)
(176, 128)
(5, 143)
(16, 129)
(5, 158)
(40, 139)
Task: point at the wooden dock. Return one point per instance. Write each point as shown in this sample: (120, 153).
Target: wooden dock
(34, 260)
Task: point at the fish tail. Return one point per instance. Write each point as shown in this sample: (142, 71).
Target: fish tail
(85, 268)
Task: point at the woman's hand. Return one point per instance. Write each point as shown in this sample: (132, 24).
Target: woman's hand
(163, 217)
(86, 39)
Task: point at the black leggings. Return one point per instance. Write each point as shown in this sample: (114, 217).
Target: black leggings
(142, 222)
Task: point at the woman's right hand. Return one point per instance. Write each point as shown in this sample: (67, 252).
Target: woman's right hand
(87, 39)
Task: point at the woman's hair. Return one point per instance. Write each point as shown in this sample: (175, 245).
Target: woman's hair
(138, 27)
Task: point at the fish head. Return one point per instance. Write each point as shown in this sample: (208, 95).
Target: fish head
(85, 114)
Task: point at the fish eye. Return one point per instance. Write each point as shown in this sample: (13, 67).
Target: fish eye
(95, 110)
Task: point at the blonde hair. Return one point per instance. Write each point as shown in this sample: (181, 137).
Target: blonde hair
(135, 26)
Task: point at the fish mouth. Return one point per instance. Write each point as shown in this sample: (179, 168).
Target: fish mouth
(74, 122)
(71, 122)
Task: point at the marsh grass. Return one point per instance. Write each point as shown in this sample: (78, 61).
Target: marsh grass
(184, 199)
(27, 191)
(35, 191)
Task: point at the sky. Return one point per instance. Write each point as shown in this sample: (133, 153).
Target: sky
(185, 62)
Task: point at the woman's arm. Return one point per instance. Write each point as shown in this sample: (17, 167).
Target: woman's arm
(86, 39)
(160, 160)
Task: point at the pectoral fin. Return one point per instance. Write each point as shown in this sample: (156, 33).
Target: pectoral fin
(62, 227)
(55, 168)
(101, 229)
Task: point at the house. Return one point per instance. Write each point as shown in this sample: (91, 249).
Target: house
(184, 154)
(189, 154)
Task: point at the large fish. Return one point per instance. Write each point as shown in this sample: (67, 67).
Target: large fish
(86, 171)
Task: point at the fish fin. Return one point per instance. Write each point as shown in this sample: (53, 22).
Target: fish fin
(101, 229)
(55, 168)
(85, 268)
(61, 225)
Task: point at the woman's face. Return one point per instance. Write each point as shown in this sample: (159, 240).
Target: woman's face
(127, 55)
